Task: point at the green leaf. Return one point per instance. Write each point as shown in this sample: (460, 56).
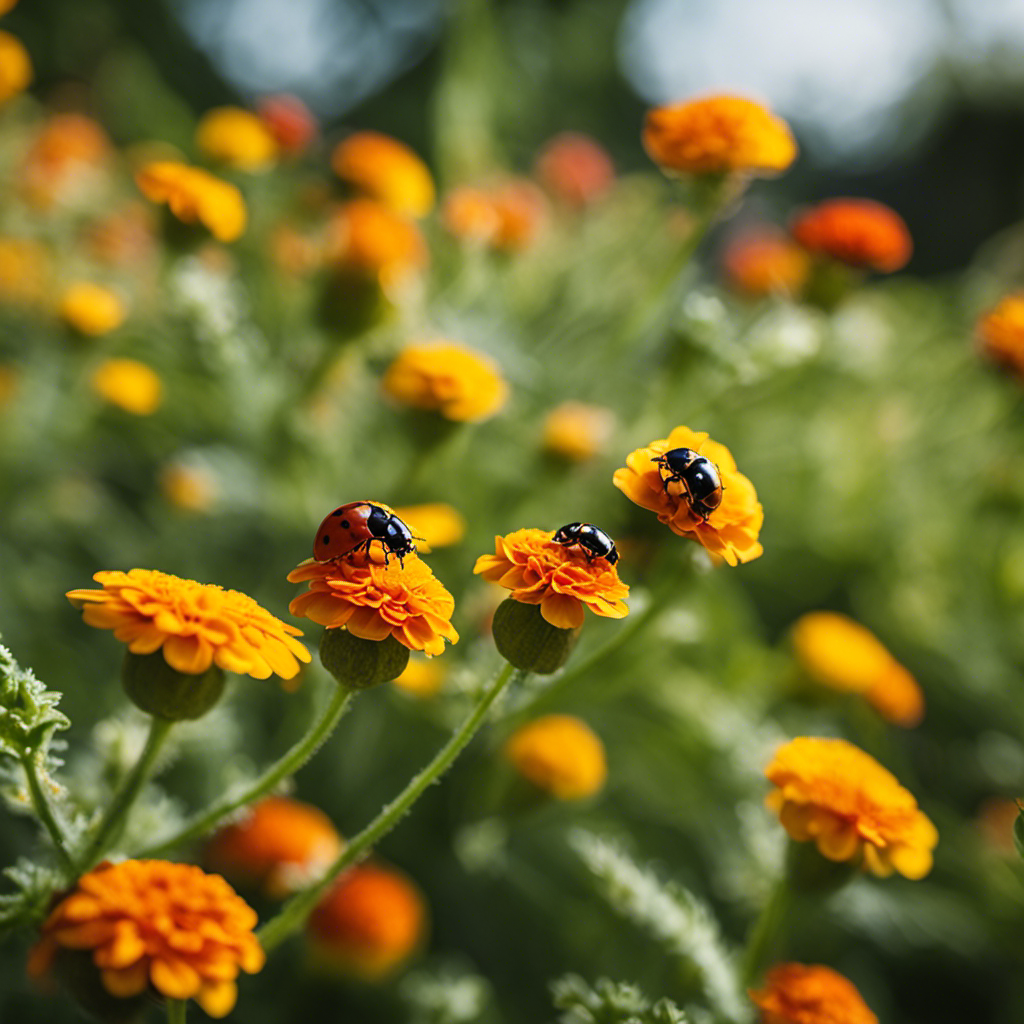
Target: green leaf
(34, 886)
(610, 1002)
(28, 710)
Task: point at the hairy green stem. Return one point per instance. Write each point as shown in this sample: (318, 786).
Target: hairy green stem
(294, 913)
(45, 811)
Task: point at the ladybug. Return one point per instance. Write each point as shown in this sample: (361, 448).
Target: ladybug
(355, 526)
(699, 476)
(594, 541)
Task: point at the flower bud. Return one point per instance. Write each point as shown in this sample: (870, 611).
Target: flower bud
(528, 641)
(358, 664)
(164, 692)
(808, 872)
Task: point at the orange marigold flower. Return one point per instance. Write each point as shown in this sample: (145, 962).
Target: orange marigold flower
(559, 578)
(507, 216)
(150, 923)
(6, 5)
(191, 488)
(577, 431)
(237, 138)
(24, 270)
(15, 67)
(281, 844)
(763, 262)
(436, 524)
(387, 170)
(130, 385)
(124, 237)
(810, 994)
(369, 923)
(375, 601)
(440, 376)
(1001, 332)
(196, 624)
(719, 135)
(289, 120)
(366, 237)
(996, 820)
(859, 232)
(91, 308)
(193, 194)
(831, 792)
(575, 168)
(559, 754)
(730, 531)
(421, 678)
(8, 384)
(66, 149)
(469, 214)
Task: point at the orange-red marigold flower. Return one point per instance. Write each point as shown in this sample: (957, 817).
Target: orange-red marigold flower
(1001, 332)
(193, 194)
(289, 120)
(196, 624)
(831, 792)
(559, 754)
(859, 232)
(386, 170)
(375, 601)
(810, 994)
(558, 578)
(730, 531)
(763, 262)
(152, 923)
(575, 168)
(366, 237)
(719, 135)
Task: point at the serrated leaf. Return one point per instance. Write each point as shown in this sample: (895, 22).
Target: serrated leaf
(34, 886)
(610, 1002)
(28, 710)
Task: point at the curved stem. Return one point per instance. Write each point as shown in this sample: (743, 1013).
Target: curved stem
(294, 913)
(46, 812)
(287, 764)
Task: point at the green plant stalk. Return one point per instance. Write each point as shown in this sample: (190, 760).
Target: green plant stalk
(45, 811)
(176, 1010)
(112, 823)
(294, 913)
(765, 932)
(287, 764)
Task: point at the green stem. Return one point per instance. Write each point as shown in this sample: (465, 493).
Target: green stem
(112, 823)
(764, 935)
(45, 810)
(176, 1009)
(288, 764)
(294, 913)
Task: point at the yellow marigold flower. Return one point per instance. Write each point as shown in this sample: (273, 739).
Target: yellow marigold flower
(559, 578)
(375, 601)
(91, 308)
(730, 531)
(15, 67)
(196, 624)
(437, 524)
(421, 678)
(1001, 332)
(719, 135)
(810, 994)
(190, 488)
(192, 195)
(577, 431)
(459, 383)
(858, 232)
(762, 262)
(130, 385)
(237, 138)
(386, 170)
(280, 845)
(369, 923)
(831, 792)
(575, 168)
(367, 238)
(559, 754)
(24, 269)
(289, 120)
(151, 924)
(6, 5)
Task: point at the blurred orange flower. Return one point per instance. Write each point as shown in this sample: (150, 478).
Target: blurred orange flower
(67, 146)
(436, 524)
(24, 271)
(858, 232)
(507, 216)
(236, 138)
(558, 578)
(196, 624)
(191, 488)
(386, 170)
(763, 262)
(810, 994)
(575, 168)
(15, 67)
(367, 238)
(730, 531)
(290, 122)
(559, 754)
(151, 923)
(719, 135)
(194, 195)
(831, 792)
(577, 431)
(130, 385)
(124, 237)
(91, 309)
(1001, 332)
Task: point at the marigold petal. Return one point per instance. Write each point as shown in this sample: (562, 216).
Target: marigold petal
(128, 981)
(368, 624)
(218, 998)
(174, 977)
(562, 611)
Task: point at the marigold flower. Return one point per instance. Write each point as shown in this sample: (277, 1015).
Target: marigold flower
(858, 232)
(15, 67)
(192, 195)
(191, 488)
(6, 5)
(91, 308)
(507, 217)
(730, 531)
(367, 238)
(153, 923)
(831, 792)
(68, 146)
(436, 524)
(469, 214)
(719, 135)
(559, 754)
(386, 170)
(196, 624)
(575, 168)
(577, 431)
(375, 601)
(237, 138)
(440, 376)
(290, 122)
(421, 678)
(130, 385)
(124, 237)
(1001, 332)
(280, 845)
(369, 923)
(810, 994)
(24, 269)
(559, 578)
(762, 262)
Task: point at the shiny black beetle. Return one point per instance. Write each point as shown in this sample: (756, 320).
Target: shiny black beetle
(594, 541)
(698, 475)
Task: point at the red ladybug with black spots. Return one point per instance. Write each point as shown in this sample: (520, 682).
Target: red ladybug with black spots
(355, 526)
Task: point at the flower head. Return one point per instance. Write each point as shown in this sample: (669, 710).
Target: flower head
(858, 232)
(577, 431)
(831, 792)
(507, 216)
(280, 845)
(367, 238)
(386, 170)
(459, 383)
(561, 579)
(575, 168)
(189, 487)
(810, 994)
(123, 237)
(719, 135)
(237, 138)
(436, 524)
(196, 624)
(91, 309)
(374, 601)
(130, 385)
(192, 195)
(24, 269)
(66, 150)
(289, 121)
(15, 67)
(730, 531)
(150, 923)
(421, 678)
(762, 262)
(559, 754)
(1001, 332)
(369, 923)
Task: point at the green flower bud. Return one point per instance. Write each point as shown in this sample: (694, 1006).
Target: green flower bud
(164, 692)
(808, 872)
(527, 640)
(359, 664)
